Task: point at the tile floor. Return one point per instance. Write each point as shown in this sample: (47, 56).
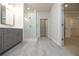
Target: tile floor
(43, 47)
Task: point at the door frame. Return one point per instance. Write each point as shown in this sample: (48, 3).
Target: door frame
(63, 25)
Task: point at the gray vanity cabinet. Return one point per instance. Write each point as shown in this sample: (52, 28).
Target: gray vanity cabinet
(20, 35)
(9, 37)
(1, 41)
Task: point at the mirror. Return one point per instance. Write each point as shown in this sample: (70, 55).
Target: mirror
(6, 15)
(3, 14)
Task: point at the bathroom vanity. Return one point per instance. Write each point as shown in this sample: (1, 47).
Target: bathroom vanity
(9, 37)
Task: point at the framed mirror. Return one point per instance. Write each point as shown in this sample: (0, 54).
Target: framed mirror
(6, 15)
(3, 14)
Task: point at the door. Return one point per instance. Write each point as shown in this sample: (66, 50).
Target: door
(43, 27)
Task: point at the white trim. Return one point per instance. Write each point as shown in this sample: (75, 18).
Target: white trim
(54, 40)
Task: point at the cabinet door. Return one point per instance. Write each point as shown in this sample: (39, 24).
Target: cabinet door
(1, 42)
(7, 39)
(20, 35)
(14, 36)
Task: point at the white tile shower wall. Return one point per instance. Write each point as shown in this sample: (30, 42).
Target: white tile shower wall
(30, 25)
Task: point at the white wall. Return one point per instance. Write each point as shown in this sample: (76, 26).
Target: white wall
(30, 25)
(41, 15)
(54, 25)
(18, 16)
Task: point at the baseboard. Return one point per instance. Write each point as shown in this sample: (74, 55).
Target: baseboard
(54, 41)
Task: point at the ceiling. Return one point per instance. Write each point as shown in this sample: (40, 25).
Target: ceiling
(38, 6)
(72, 7)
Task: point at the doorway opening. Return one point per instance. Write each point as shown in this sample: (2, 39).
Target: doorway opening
(71, 28)
(43, 27)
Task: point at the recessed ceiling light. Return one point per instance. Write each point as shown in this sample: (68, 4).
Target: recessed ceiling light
(28, 8)
(66, 5)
